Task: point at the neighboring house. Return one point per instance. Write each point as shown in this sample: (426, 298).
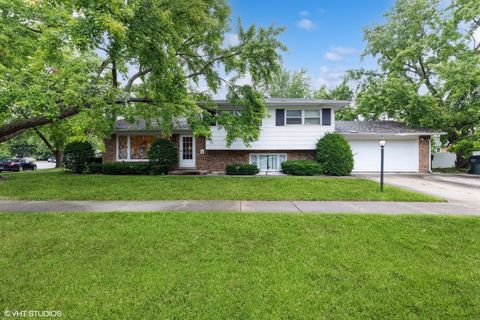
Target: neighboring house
(290, 132)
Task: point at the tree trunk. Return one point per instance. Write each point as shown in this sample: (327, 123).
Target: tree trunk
(58, 158)
(461, 161)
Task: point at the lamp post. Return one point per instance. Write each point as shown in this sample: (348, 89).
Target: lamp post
(381, 142)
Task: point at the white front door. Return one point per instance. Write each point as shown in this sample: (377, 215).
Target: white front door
(187, 152)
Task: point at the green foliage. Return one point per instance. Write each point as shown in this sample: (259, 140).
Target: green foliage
(340, 92)
(68, 58)
(120, 168)
(302, 168)
(242, 169)
(429, 71)
(78, 155)
(163, 156)
(335, 155)
(287, 84)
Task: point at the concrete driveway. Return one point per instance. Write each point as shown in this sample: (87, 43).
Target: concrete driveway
(452, 187)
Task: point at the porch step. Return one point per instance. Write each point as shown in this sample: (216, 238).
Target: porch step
(189, 172)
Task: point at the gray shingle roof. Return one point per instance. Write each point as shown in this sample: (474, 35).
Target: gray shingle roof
(385, 127)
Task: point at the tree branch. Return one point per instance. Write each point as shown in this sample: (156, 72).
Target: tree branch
(211, 62)
(44, 139)
(13, 129)
(140, 73)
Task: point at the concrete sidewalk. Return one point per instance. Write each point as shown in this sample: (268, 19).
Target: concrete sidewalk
(453, 208)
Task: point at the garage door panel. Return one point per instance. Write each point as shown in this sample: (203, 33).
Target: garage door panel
(400, 155)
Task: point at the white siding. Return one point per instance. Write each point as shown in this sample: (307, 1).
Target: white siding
(272, 137)
(400, 155)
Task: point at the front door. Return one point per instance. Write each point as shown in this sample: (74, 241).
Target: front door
(187, 152)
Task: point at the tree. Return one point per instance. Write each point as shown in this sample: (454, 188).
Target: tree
(131, 58)
(429, 69)
(287, 84)
(340, 92)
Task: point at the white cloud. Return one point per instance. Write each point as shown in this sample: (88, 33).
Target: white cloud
(231, 39)
(339, 53)
(328, 77)
(304, 13)
(306, 24)
(332, 56)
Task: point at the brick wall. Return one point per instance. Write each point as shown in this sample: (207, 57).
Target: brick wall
(424, 154)
(110, 149)
(213, 160)
(216, 160)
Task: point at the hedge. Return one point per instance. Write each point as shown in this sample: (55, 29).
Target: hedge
(77, 156)
(163, 156)
(335, 155)
(302, 167)
(126, 168)
(242, 169)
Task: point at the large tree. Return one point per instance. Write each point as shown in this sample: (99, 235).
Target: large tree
(147, 58)
(289, 84)
(429, 69)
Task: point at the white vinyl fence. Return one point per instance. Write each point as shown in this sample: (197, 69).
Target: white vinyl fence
(443, 160)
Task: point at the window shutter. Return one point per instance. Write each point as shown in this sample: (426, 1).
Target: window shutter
(326, 117)
(280, 117)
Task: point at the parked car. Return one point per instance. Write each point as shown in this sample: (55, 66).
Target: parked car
(52, 160)
(17, 164)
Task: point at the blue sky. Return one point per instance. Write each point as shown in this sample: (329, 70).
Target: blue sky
(324, 37)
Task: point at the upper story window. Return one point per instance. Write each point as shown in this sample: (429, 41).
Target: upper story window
(312, 117)
(305, 117)
(294, 117)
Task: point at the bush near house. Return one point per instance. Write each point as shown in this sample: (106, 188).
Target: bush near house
(163, 156)
(78, 155)
(242, 169)
(302, 167)
(335, 155)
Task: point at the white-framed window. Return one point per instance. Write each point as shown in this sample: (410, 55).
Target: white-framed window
(293, 117)
(303, 117)
(312, 117)
(268, 161)
(134, 147)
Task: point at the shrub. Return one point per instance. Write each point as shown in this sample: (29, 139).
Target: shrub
(163, 156)
(120, 168)
(77, 156)
(302, 167)
(335, 155)
(242, 169)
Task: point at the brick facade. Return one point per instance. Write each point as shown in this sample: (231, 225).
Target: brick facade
(424, 154)
(110, 154)
(216, 160)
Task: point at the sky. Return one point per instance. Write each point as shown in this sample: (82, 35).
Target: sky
(325, 37)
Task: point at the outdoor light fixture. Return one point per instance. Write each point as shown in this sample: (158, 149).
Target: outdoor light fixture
(381, 142)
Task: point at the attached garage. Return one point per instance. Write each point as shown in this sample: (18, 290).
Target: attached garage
(400, 155)
(406, 149)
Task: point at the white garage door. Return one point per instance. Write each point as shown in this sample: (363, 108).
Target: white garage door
(400, 155)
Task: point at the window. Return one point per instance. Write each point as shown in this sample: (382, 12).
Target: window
(139, 146)
(312, 116)
(268, 161)
(134, 147)
(294, 117)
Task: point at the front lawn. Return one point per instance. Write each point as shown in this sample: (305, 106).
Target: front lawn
(240, 266)
(57, 185)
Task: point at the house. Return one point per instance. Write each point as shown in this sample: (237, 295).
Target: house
(289, 132)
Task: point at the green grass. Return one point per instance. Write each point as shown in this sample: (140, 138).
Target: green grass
(451, 170)
(57, 185)
(240, 266)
